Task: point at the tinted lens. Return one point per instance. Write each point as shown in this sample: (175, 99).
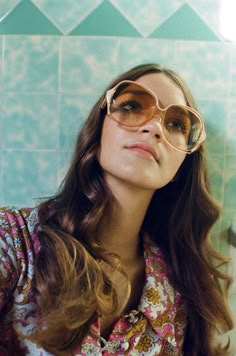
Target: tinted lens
(182, 127)
(131, 105)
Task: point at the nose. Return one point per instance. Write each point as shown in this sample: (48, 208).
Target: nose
(153, 127)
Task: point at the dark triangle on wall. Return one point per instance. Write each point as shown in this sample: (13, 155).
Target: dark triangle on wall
(185, 24)
(27, 19)
(105, 20)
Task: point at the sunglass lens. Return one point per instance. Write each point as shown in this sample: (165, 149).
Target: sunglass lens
(131, 105)
(182, 127)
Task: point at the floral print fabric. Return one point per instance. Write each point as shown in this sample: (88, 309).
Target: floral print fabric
(157, 327)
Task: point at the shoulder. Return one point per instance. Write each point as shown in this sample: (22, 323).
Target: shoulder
(15, 221)
(18, 239)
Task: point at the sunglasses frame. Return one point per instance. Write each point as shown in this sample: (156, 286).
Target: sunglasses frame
(107, 102)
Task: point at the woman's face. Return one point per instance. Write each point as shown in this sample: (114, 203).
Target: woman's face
(124, 152)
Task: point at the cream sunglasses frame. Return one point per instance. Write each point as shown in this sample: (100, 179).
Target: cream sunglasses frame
(110, 93)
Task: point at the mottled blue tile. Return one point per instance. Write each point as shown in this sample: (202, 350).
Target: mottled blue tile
(216, 233)
(30, 121)
(230, 182)
(1, 133)
(1, 201)
(233, 70)
(87, 64)
(205, 67)
(215, 114)
(64, 164)
(73, 111)
(1, 67)
(132, 52)
(28, 175)
(67, 14)
(146, 17)
(231, 129)
(216, 173)
(228, 215)
(31, 63)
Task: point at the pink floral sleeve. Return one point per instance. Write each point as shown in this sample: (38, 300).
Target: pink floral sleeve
(8, 261)
(18, 246)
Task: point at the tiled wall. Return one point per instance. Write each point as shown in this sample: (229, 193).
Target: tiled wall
(57, 56)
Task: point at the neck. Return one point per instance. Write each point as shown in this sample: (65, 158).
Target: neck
(121, 233)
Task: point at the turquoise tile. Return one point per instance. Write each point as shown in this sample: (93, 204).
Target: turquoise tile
(132, 52)
(216, 172)
(6, 6)
(185, 24)
(73, 111)
(67, 14)
(31, 63)
(147, 16)
(87, 64)
(205, 66)
(27, 19)
(1, 201)
(231, 129)
(1, 67)
(233, 70)
(30, 121)
(228, 215)
(28, 175)
(64, 163)
(215, 234)
(209, 11)
(1, 134)
(105, 20)
(230, 182)
(215, 117)
(224, 250)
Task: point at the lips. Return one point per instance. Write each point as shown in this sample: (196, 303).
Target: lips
(142, 146)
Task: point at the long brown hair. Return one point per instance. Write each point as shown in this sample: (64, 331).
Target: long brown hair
(70, 285)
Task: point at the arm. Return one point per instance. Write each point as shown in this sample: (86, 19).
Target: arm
(8, 260)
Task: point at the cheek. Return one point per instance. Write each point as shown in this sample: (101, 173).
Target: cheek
(108, 141)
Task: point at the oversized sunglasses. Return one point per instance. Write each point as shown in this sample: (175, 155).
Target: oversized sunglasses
(132, 105)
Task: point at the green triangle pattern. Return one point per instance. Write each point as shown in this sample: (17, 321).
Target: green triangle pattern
(27, 19)
(185, 24)
(105, 20)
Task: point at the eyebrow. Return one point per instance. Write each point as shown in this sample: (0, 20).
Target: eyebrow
(135, 92)
(159, 101)
(146, 93)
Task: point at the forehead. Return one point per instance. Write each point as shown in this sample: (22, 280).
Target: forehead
(165, 89)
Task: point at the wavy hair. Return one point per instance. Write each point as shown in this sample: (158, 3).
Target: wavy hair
(71, 287)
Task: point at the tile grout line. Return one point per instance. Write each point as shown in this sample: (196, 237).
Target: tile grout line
(58, 108)
(1, 119)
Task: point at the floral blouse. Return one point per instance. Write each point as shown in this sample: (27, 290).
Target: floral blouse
(157, 327)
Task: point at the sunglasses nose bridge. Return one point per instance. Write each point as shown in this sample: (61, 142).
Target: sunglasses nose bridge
(158, 114)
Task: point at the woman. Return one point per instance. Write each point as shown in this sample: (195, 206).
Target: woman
(119, 261)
